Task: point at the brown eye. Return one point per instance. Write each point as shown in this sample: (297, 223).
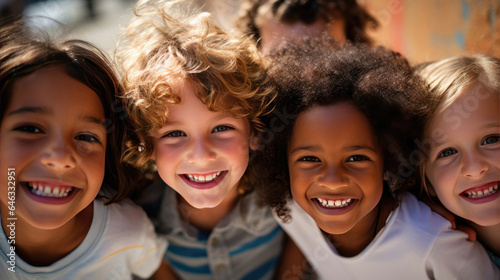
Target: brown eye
(357, 158)
(28, 129)
(87, 138)
(309, 159)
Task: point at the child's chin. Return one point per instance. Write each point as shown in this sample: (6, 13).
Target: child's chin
(488, 221)
(46, 222)
(334, 229)
(205, 203)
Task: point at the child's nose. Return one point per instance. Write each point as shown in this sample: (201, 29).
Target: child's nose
(59, 154)
(474, 164)
(332, 176)
(201, 151)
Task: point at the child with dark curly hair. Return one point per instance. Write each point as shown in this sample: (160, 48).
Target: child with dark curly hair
(270, 22)
(340, 144)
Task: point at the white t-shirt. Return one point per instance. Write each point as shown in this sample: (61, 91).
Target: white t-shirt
(415, 243)
(121, 241)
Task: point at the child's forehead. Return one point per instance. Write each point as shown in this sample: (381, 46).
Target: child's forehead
(189, 99)
(181, 85)
(187, 90)
(466, 96)
(184, 90)
(334, 113)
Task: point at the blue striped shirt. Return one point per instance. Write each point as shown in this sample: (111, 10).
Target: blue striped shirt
(246, 244)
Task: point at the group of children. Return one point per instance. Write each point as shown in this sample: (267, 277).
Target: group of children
(317, 153)
(348, 157)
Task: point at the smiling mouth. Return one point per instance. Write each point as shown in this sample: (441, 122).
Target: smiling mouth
(338, 203)
(207, 178)
(43, 189)
(481, 193)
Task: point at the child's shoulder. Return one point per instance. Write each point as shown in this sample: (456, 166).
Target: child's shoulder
(124, 213)
(251, 215)
(421, 229)
(128, 234)
(415, 214)
(445, 248)
(115, 219)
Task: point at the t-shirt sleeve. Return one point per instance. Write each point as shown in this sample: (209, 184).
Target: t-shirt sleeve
(453, 257)
(145, 249)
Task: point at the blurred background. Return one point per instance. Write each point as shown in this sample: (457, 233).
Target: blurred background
(423, 30)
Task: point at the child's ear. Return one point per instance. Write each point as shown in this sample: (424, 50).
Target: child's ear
(387, 176)
(254, 142)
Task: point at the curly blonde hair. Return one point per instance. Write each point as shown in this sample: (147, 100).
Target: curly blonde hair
(164, 41)
(449, 79)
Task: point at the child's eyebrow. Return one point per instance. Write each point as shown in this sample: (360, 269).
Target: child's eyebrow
(359, 147)
(347, 149)
(493, 124)
(95, 120)
(305, 148)
(437, 143)
(171, 123)
(215, 118)
(31, 109)
(48, 111)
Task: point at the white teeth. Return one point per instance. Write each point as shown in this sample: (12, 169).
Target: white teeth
(203, 179)
(334, 203)
(200, 179)
(484, 193)
(48, 191)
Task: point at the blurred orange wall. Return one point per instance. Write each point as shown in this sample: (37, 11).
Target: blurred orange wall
(426, 30)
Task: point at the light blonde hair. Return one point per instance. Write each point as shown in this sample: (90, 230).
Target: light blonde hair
(449, 79)
(165, 41)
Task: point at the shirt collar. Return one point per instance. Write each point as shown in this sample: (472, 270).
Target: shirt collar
(246, 215)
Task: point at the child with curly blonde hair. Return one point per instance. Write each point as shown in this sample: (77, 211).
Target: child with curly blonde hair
(196, 95)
